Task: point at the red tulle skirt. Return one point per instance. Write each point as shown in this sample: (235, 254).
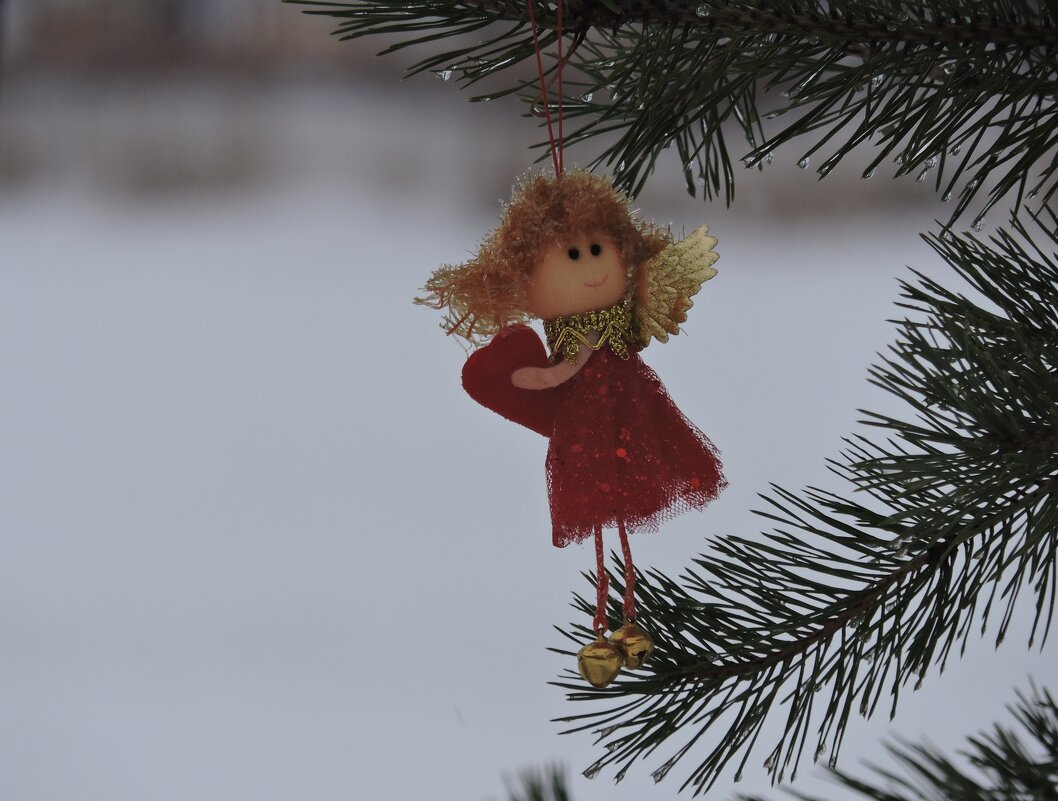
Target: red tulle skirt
(621, 451)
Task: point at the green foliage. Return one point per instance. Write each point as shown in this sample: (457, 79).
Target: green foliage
(546, 785)
(1008, 763)
(847, 601)
(961, 94)
(953, 518)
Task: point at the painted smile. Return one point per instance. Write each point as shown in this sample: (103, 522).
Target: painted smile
(598, 283)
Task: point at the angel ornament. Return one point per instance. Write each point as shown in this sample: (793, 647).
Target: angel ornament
(570, 252)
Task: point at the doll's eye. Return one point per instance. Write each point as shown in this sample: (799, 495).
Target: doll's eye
(596, 249)
(574, 254)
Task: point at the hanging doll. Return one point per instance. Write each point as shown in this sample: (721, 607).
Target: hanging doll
(570, 252)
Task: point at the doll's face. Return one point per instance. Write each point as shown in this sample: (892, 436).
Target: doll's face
(580, 273)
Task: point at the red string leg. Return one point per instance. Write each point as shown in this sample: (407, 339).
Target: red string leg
(543, 87)
(630, 574)
(602, 584)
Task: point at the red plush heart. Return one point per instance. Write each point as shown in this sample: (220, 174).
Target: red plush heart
(487, 379)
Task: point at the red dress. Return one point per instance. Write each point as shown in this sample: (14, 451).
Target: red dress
(622, 451)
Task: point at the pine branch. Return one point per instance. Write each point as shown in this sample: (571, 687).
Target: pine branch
(1009, 763)
(862, 597)
(580, 15)
(547, 785)
(962, 95)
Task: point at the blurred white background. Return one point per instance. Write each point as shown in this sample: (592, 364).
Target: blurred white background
(255, 543)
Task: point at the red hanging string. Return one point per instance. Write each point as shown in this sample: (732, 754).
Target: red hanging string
(556, 148)
(561, 63)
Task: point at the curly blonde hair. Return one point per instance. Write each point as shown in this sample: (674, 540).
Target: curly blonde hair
(488, 293)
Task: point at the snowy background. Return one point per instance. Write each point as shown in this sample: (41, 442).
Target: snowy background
(255, 543)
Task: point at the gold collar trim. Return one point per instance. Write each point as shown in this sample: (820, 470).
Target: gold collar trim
(613, 326)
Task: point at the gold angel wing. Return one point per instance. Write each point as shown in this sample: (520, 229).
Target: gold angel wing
(672, 277)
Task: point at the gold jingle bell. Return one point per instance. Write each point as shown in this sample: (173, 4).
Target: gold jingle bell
(599, 662)
(634, 643)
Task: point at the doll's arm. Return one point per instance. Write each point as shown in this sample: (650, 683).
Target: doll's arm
(548, 377)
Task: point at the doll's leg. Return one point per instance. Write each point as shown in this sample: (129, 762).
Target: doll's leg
(602, 585)
(634, 643)
(630, 575)
(599, 662)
